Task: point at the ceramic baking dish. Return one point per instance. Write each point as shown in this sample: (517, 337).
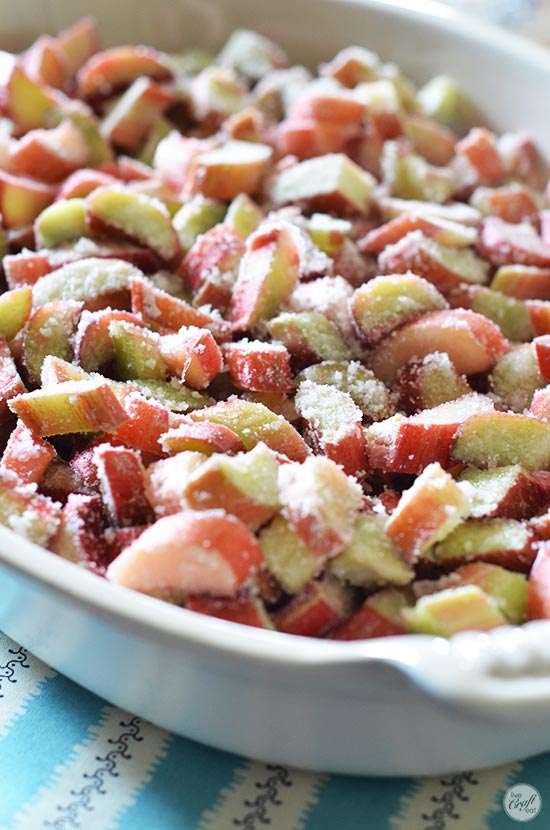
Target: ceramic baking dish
(397, 706)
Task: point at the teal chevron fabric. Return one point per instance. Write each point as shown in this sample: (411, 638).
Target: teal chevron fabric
(71, 760)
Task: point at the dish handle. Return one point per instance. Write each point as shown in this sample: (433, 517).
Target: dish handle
(504, 671)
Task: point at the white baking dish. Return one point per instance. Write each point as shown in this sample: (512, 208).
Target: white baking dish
(398, 706)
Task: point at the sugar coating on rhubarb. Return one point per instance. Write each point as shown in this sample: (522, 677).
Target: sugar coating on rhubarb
(321, 503)
(427, 512)
(83, 279)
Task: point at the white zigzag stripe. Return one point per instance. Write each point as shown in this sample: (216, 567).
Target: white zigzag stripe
(101, 777)
(481, 795)
(21, 676)
(267, 792)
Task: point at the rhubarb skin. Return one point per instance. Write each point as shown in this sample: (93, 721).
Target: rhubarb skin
(268, 274)
(74, 406)
(219, 555)
(258, 366)
(80, 536)
(243, 609)
(427, 512)
(318, 608)
(26, 455)
(333, 425)
(321, 504)
(122, 484)
(244, 486)
(254, 422)
(472, 342)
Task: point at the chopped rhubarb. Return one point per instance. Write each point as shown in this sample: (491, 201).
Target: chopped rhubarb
(379, 616)
(26, 454)
(333, 426)
(203, 437)
(74, 406)
(79, 537)
(472, 342)
(268, 273)
(244, 485)
(318, 608)
(193, 355)
(243, 609)
(321, 504)
(218, 557)
(538, 598)
(427, 512)
(122, 485)
(260, 367)
(385, 303)
(495, 439)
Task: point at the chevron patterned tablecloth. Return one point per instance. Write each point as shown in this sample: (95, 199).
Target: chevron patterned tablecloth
(70, 760)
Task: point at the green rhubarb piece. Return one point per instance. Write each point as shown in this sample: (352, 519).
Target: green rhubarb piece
(85, 121)
(244, 485)
(286, 557)
(506, 588)
(371, 558)
(29, 103)
(63, 221)
(161, 128)
(381, 97)
(253, 423)
(50, 332)
(367, 392)
(217, 89)
(446, 612)
(327, 182)
(385, 302)
(436, 379)
(244, 215)
(251, 54)
(496, 439)
(328, 232)
(254, 473)
(73, 406)
(138, 216)
(474, 538)
(309, 333)
(390, 603)
(15, 308)
(195, 218)
(411, 177)
(461, 261)
(85, 279)
(174, 396)
(510, 315)
(487, 488)
(441, 98)
(56, 370)
(137, 352)
(516, 377)
(513, 279)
